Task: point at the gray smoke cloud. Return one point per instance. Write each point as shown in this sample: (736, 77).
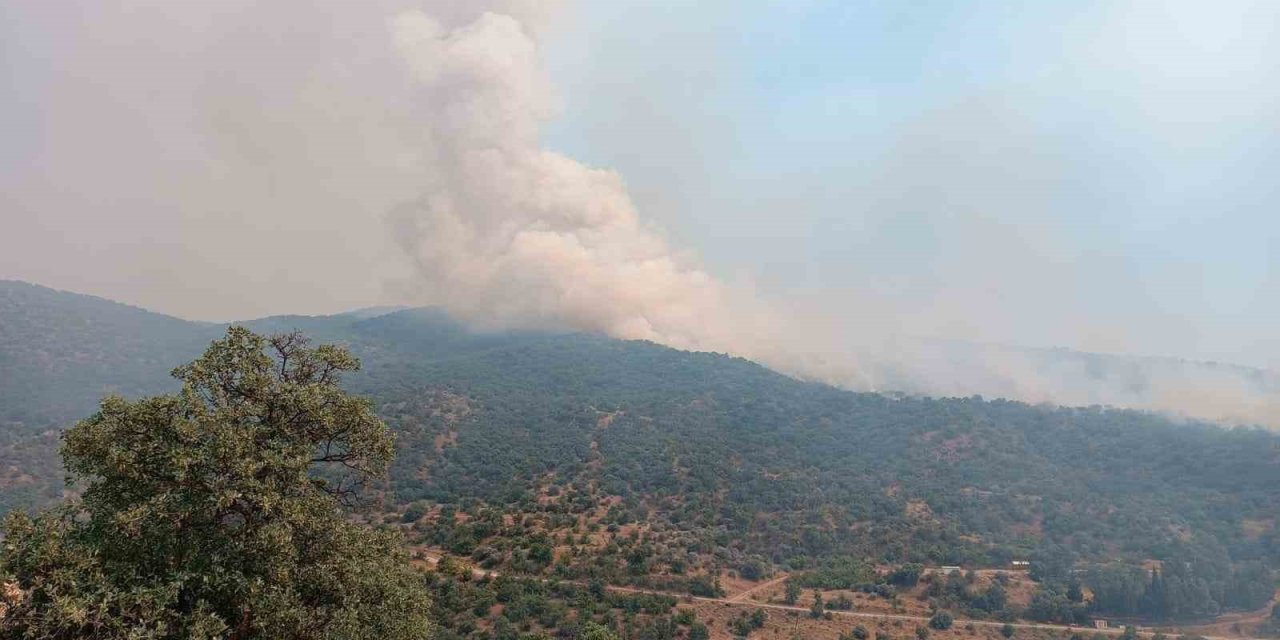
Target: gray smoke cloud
(510, 234)
(232, 159)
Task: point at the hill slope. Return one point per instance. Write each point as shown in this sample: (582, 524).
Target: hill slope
(745, 464)
(61, 352)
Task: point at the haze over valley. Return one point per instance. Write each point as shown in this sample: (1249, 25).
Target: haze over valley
(535, 319)
(453, 155)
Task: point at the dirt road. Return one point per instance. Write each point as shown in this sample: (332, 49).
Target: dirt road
(741, 596)
(739, 599)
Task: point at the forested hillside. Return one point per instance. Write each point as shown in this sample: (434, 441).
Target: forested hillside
(721, 462)
(61, 352)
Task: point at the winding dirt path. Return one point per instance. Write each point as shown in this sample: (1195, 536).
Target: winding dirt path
(741, 596)
(738, 599)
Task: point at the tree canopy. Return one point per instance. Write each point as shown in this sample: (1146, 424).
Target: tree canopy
(215, 512)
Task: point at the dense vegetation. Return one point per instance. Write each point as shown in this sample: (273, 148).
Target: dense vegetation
(60, 353)
(202, 514)
(508, 608)
(700, 462)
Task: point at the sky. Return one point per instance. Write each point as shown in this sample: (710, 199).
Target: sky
(1101, 176)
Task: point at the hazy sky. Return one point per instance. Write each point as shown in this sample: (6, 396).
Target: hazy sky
(1095, 175)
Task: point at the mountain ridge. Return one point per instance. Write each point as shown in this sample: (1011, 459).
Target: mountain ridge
(744, 463)
(1096, 361)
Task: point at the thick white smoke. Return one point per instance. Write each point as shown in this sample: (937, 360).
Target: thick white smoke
(232, 159)
(509, 234)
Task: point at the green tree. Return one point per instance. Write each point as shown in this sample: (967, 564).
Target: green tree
(995, 598)
(699, 631)
(216, 512)
(758, 618)
(751, 570)
(816, 609)
(414, 512)
(593, 631)
(906, 575)
(741, 626)
(941, 621)
(792, 591)
(1008, 630)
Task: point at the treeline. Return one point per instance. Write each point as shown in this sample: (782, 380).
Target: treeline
(957, 591)
(960, 592)
(1179, 589)
(561, 538)
(1193, 581)
(516, 608)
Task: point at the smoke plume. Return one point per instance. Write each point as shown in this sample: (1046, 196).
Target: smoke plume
(237, 159)
(509, 234)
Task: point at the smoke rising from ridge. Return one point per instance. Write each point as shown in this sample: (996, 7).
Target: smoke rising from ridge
(237, 159)
(510, 234)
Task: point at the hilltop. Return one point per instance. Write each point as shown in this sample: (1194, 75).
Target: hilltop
(711, 462)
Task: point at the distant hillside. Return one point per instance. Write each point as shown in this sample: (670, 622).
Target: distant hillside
(61, 352)
(751, 463)
(1215, 391)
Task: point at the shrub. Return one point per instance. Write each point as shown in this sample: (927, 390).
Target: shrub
(941, 621)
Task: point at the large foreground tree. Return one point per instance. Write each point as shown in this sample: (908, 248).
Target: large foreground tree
(216, 512)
